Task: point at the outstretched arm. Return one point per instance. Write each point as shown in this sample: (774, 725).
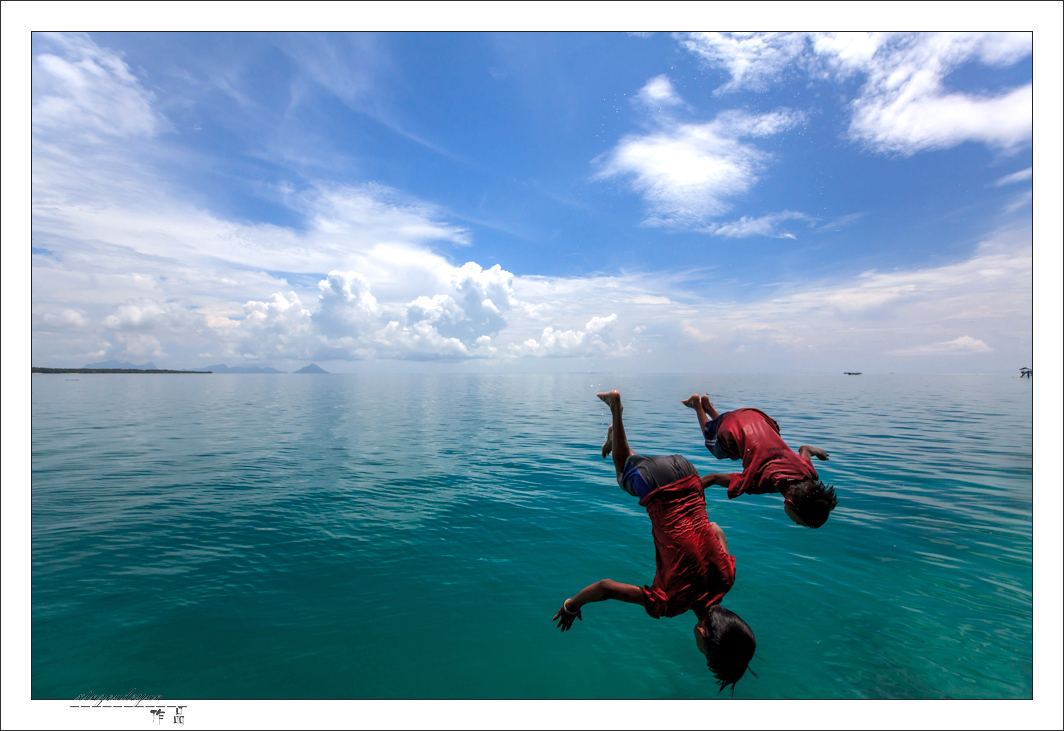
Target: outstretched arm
(805, 451)
(714, 478)
(597, 592)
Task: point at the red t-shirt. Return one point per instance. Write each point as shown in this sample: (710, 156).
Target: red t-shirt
(753, 436)
(693, 569)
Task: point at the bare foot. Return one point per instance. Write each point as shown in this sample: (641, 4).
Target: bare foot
(690, 401)
(612, 399)
(706, 403)
(608, 446)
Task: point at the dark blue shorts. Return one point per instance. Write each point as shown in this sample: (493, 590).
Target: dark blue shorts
(642, 475)
(709, 431)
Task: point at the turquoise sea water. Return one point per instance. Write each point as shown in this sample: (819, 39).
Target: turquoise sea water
(376, 536)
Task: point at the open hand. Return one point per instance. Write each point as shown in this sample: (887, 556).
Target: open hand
(564, 619)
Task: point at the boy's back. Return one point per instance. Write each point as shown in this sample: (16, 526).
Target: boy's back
(768, 463)
(694, 569)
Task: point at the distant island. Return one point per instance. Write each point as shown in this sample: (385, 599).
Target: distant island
(121, 366)
(113, 365)
(35, 369)
(223, 368)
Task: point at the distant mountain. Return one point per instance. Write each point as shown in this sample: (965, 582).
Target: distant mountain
(311, 369)
(223, 368)
(149, 366)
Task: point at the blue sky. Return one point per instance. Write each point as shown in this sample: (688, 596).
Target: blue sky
(534, 202)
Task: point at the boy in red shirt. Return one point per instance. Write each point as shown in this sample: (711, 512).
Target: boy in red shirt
(694, 569)
(769, 465)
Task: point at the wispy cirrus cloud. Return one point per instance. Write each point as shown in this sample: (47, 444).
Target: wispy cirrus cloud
(1016, 177)
(769, 225)
(753, 60)
(83, 90)
(905, 105)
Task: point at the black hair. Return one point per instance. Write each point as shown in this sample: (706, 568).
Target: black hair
(812, 500)
(730, 644)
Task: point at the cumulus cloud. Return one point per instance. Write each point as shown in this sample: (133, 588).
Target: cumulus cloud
(347, 322)
(346, 307)
(141, 315)
(690, 171)
(278, 328)
(594, 339)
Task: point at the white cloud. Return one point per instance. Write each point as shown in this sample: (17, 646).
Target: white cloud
(764, 226)
(688, 172)
(84, 90)
(67, 319)
(753, 60)
(882, 314)
(963, 344)
(346, 307)
(1019, 201)
(485, 296)
(594, 339)
(904, 106)
(376, 212)
(842, 221)
(134, 272)
(1016, 177)
(658, 92)
(132, 259)
(138, 345)
(908, 121)
(139, 315)
(349, 323)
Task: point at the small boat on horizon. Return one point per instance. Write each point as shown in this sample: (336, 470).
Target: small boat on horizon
(852, 373)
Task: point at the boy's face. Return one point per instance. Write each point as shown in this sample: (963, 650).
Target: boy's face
(789, 509)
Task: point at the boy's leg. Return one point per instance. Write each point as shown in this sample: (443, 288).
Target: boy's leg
(707, 406)
(707, 415)
(620, 448)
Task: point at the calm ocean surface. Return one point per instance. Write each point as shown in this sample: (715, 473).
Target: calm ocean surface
(377, 536)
